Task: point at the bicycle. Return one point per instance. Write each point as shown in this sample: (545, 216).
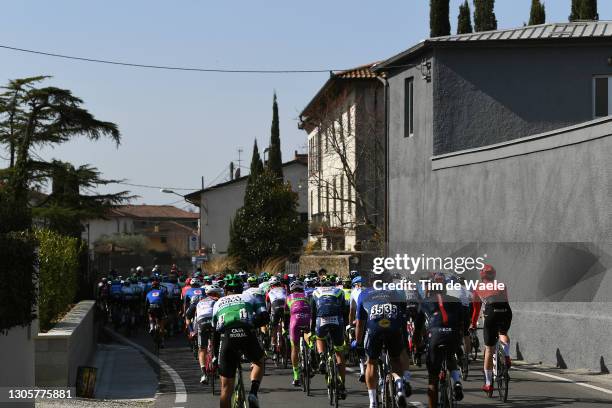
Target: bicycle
(465, 365)
(413, 352)
(386, 384)
(446, 396)
(475, 345)
(281, 351)
(305, 364)
(209, 366)
(332, 376)
(501, 378)
(157, 337)
(238, 396)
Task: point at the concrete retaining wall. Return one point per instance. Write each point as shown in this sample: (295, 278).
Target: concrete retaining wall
(65, 347)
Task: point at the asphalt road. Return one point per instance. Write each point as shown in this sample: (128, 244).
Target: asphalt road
(180, 372)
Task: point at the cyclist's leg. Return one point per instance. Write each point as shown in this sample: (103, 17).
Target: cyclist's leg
(490, 334)
(228, 363)
(338, 340)
(373, 348)
(255, 354)
(433, 361)
(203, 336)
(505, 320)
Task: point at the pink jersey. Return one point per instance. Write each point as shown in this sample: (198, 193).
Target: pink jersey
(299, 309)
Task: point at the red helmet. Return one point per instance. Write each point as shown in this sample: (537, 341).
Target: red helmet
(488, 273)
(188, 281)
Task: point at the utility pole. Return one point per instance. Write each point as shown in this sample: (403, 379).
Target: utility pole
(239, 159)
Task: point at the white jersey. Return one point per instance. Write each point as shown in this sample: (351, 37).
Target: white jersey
(277, 294)
(204, 309)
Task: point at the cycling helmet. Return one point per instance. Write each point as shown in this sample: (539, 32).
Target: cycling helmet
(188, 281)
(310, 282)
(252, 280)
(353, 274)
(207, 280)
(488, 273)
(234, 285)
(274, 281)
(139, 269)
(312, 274)
(155, 284)
(346, 283)
(195, 283)
(296, 286)
(214, 290)
(173, 279)
(356, 281)
(325, 281)
(195, 299)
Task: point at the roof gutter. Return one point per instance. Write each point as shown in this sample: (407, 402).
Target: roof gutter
(385, 83)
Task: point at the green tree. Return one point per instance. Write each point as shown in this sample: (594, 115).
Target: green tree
(31, 117)
(588, 10)
(538, 13)
(268, 224)
(256, 163)
(464, 21)
(67, 206)
(275, 160)
(439, 20)
(484, 15)
(575, 13)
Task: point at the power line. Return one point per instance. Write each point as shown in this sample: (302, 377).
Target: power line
(155, 187)
(171, 68)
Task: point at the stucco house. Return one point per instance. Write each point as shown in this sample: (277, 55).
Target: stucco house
(219, 203)
(345, 126)
(499, 145)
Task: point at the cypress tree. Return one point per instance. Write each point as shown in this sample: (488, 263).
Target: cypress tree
(484, 15)
(439, 20)
(538, 13)
(588, 10)
(575, 13)
(256, 163)
(464, 21)
(275, 161)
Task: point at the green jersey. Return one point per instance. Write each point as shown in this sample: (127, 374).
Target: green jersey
(233, 311)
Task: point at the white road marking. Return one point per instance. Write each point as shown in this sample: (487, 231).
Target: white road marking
(179, 385)
(556, 377)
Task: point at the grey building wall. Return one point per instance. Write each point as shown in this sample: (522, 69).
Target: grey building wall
(541, 214)
(489, 95)
(222, 203)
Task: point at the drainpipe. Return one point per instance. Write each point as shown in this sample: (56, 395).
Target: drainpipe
(385, 83)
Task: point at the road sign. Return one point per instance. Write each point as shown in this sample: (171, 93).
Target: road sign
(193, 243)
(199, 259)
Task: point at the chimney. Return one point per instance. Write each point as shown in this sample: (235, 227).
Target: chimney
(231, 170)
(237, 173)
(295, 154)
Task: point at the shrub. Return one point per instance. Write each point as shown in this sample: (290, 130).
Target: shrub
(18, 288)
(59, 263)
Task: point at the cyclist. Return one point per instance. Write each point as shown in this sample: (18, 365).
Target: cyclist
(185, 288)
(276, 302)
(194, 290)
(154, 304)
(234, 320)
(444, 316)
(252, 281)
(309, 286)
(381, 319)
(203, 313)
(497, 319)
(328, 306)
(356, 283)
(300, 316)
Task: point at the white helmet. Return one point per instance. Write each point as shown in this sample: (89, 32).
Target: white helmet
(139, 269)
(274, 281)
(214, 290)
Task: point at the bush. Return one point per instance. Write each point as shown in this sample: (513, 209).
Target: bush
(59, 263)
(18, 288)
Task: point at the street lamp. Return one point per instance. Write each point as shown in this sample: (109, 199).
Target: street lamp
(168, 191)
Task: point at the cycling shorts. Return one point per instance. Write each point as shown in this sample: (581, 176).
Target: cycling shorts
(467, 319)
(441, 341)
(392, 339)
(205, 331)
(497, 320)
(296, 323)
(235, 342)
(334, 328)
(156, 311)
(277, 315)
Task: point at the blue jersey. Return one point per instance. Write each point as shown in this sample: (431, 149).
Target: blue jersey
(116, 289)
(382, 309)
(328, 301)
(155, 297)
(308, 292)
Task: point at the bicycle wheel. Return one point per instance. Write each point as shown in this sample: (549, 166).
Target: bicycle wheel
(389, 391)
(475, 346)
(465, 366)
(335, 377)
(502, 378)
(238, 397)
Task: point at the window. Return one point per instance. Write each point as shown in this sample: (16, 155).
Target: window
(408, 107)
(602, 96)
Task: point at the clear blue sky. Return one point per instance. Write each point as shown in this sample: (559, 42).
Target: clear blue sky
(179, 126)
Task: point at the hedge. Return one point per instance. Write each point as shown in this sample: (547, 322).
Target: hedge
(59, 263)
(18, 280)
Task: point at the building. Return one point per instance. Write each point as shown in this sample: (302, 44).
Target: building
(499, 146)
(167, 230)
(345, 126)
(219, 203)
